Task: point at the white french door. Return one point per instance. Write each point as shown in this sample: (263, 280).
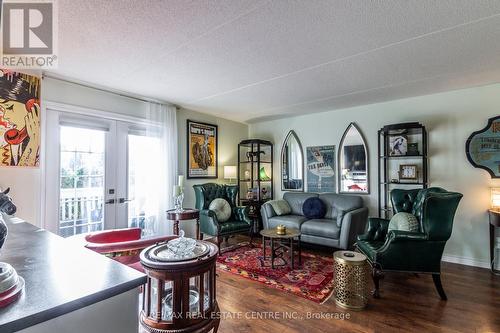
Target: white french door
(99, 175)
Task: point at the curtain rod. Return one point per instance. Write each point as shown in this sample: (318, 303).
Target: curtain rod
(109, 91)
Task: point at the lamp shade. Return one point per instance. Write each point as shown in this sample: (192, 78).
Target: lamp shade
(495, 198)
(229, 171)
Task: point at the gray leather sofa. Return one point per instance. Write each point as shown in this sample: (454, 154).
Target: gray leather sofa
(345, 218)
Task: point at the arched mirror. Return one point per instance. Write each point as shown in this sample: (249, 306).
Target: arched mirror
(353, 162)
(292, 164)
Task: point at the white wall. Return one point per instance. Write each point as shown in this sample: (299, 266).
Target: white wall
(25, 182)
(449, 118)
(230, 134)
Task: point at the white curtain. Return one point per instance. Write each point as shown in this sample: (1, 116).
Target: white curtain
(153, 164)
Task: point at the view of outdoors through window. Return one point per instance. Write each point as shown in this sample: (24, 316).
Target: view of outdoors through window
(82, 166)
(143, 186)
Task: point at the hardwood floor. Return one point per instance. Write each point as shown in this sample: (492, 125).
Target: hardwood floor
(408, 304)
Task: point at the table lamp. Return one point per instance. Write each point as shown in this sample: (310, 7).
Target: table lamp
(230, 172)
(495, 199)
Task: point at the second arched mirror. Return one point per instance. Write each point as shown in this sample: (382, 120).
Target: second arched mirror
(353, 162)
(292, 164)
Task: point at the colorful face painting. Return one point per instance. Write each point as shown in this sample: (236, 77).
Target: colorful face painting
(19, 119)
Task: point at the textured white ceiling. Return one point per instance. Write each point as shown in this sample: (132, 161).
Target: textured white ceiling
(255, 59)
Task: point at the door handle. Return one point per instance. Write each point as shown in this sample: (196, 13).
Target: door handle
(110, 202)
(123, 200)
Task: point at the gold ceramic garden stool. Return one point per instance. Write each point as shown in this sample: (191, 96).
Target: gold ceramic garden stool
(351, 280)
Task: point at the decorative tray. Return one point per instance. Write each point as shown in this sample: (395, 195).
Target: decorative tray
(163, 253)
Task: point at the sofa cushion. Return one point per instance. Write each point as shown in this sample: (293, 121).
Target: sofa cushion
(321, 227)
(296, 200)
(281, 207)
(404, 222)
(289, 221)
(222, 209)
(314, 208)
(339, 204)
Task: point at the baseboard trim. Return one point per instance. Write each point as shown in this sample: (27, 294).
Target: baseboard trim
(466, 261)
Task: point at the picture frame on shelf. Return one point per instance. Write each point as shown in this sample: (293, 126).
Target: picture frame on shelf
(408, 172)
(398, 145)
(413, 149)
(202, 150)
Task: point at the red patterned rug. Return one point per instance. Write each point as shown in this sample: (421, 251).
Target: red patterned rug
(312, 280)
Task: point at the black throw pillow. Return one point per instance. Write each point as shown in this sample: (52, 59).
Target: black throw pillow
(314, 208)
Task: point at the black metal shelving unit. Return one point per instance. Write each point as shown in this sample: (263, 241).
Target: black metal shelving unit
(388, 171)
(255, 174)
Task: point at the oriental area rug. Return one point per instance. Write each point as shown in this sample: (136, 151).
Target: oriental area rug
(313, 279)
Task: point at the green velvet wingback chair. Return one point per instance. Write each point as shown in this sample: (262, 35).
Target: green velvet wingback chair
(239, 221)
(415, 252)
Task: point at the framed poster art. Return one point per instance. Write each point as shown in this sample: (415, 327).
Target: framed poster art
(482, 148)
(19, 119)
(202, 150)
(320, 169)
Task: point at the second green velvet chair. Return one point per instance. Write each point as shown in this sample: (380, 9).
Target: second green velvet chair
(415, 252)
(239, 221)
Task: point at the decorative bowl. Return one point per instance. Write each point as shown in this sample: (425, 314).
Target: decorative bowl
(8, 277)
(181, 246)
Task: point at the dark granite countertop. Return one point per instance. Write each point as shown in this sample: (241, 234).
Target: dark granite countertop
(60, 277)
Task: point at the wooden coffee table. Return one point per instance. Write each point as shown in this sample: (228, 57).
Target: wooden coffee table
(285, 243)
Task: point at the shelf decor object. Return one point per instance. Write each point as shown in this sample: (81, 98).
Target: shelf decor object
(408, 171)
(494, 219)
(482, 148)
(255, 176)
(180, 293)
(402, 162)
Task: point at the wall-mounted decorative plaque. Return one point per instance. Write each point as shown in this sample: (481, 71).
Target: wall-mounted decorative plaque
(483, 148)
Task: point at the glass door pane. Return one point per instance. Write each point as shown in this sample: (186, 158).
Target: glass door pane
(82, 176)
(143, 190)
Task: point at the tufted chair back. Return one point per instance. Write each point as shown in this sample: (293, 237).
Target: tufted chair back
(206, 193)
(434, 208)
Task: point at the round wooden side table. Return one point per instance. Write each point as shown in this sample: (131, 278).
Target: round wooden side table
(180, 293)
(351, 280)
(183, 215)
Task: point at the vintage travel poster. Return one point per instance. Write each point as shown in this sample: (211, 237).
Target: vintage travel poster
(202, 150)
(19, 119)
(320, 169)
